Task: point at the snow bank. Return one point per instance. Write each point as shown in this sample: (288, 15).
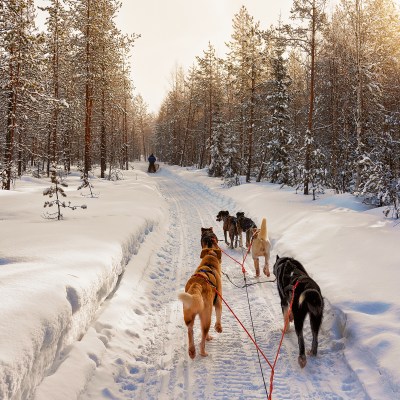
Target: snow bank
(54, 275)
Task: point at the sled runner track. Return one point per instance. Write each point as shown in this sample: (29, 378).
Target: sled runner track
(162, 369)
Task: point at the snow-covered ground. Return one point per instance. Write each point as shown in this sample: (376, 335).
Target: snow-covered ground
(89, 305)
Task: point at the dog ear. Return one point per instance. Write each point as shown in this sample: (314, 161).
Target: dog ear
(277, 257)
(211, 228)
(218, 253)
(203, 229)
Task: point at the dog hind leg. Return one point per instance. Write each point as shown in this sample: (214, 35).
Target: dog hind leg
(299, 317)
(257, 266)
(205, 320)
(248, 237)
(226, 239)
(315, 322)
(218, 314)
(231, 237)
(192, 348)
(266, 267)
(286, 317)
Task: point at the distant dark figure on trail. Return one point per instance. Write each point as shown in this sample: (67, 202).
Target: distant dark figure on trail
(152, 165)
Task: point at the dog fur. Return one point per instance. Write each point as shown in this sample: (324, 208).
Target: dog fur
(200, 296)
(307, 300)
(246, 225)
(208, 238)
(230, 226)
(261, 247)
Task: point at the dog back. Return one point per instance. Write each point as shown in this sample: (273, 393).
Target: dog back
(244, 222)
(288, 271)
(208, 238)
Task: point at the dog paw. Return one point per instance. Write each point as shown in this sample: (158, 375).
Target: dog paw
(218, 327)
(266, 271)
(192, 352)
(209, 337)
(204, 353)
(291, 318)
(312, 353)
(302, 361)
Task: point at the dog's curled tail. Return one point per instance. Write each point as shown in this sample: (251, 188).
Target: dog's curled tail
(192, 301)
(313, 300)
(263, 229)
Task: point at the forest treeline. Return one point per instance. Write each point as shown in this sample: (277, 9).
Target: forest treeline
(313, 102)
(66, 95)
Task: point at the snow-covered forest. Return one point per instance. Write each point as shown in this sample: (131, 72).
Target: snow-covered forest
(312, 102)
(66, 95)
(308, 108)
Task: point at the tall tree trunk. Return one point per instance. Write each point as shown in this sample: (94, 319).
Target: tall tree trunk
(103, 142)
(359, 92)
(260, 173)
(11, 121)
(251, 129)
(307, 165)
(188, 119)
(56, 92)
(88, 95)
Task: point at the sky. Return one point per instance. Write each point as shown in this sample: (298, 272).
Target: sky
(90, 307)
(174, 32)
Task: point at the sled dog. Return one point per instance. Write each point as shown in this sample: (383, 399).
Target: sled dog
(229, 226)
(208, 238)
(200, 296)
(244, 224)
(307, 300)
(261, 247)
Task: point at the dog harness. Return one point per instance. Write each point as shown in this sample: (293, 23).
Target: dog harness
(207, 272)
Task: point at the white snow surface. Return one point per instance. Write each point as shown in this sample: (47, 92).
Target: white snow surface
(89, 306)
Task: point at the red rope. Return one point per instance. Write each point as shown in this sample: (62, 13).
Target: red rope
(237, 319)
(271, 379)
(244, 258)
(272, 366)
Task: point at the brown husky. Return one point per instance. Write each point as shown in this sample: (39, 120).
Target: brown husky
(200, 296)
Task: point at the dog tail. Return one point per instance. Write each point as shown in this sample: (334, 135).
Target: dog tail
(313, 300)
(192, 301)
(263, 230)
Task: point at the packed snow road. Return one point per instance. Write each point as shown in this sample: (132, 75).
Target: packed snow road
(146, 353)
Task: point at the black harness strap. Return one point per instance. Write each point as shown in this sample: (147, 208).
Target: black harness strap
(207, 272)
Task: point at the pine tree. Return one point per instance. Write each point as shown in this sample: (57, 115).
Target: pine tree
(20, 82)
(312, 12)
(246, 63)
(278, 149)
(208, 80)
(56, 189)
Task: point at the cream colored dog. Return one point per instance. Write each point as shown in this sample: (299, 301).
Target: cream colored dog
(261, 248)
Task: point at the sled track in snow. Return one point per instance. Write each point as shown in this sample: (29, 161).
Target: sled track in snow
(163, 369)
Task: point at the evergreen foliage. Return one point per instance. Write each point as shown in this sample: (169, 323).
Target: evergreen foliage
(57, 190)
(313, 104)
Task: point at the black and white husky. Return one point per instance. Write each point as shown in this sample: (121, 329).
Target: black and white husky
(307, 300)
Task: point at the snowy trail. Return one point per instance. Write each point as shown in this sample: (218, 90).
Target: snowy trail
(158, 367)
